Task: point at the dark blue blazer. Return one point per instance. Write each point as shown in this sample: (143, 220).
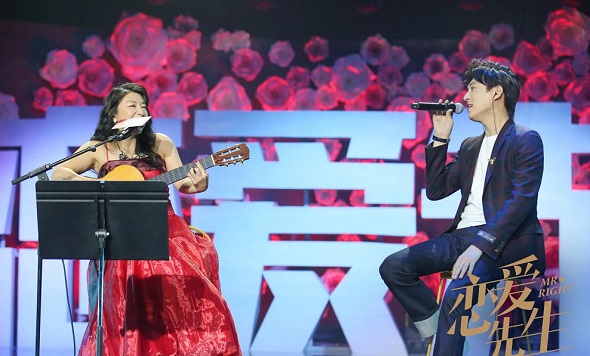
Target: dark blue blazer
(510, 194)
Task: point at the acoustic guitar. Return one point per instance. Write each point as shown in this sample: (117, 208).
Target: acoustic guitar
(225, 157)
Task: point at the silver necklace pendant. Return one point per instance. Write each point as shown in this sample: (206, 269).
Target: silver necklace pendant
(122, 156)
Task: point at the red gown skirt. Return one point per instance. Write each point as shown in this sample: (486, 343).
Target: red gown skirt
(172, 307)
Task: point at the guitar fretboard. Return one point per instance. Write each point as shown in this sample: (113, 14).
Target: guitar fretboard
(182, 172)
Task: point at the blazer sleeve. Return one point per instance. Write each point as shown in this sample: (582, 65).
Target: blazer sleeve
(519, 195)
(442, 179)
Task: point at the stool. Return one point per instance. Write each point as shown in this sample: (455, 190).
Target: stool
(444, 275)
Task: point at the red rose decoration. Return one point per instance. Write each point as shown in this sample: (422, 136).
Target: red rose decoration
(357, 198)
(42, 98)
(269, 149)
(69, 98)
(552, 251)
(541, 86)
(305, 99)
(567, 31)
(351, 77)
(8, 107)
(502, 60)
(93, 46)
(95, 77)
(433, 93)
(416, 84)
(420, 236)
(193, 87)
(221, 40)
(581, 177)
(321, 75)
(139, 45)
(332, 277)
(398, 57)
(246, 64)
(228, 94)
(316, 49)
(436, 67)
(375, 96)
(357, 104)
(375, 50)
(325, 197)
(389, 76)
(458, 62)
(239, 39)
(170, 106)
(581, 63)
(584, 116)
(452, 83)
(161, 81)
(274, 94)
(181, 55)
(418, 156)
(333, 146)
(281, 53)
(546, 48)
(348, 238)
(475, 44)
(326, 98)
(501, 36)
(60, 69)
(528, 59)
(578, 93)
(185, 23)
(194, 37)
(298, 77)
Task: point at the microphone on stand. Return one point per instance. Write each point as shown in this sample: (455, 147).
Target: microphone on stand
(457, 107)
(125, 133)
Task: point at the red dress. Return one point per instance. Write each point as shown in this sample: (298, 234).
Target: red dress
(172, 307)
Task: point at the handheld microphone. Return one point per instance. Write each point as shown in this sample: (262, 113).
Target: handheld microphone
(457, 107)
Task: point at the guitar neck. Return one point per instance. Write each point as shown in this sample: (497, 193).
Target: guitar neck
(182, 172)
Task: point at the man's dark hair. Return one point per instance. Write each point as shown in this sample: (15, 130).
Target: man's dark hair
(491, 74)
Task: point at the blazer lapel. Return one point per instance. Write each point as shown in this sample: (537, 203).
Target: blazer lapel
(470, 161)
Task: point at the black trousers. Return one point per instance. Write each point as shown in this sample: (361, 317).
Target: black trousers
(401, 271)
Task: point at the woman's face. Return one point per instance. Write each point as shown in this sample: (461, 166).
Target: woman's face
(132, 105)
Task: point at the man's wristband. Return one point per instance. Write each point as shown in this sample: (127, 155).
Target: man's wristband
(443, 140)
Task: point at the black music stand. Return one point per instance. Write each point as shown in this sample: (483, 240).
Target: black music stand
(100, 220)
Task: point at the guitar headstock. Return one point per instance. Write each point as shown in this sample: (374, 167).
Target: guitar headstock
(231, 155)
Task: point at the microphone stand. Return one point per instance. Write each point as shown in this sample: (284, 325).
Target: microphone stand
(41, 172)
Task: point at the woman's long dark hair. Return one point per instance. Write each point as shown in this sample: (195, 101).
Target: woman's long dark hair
(145, 140)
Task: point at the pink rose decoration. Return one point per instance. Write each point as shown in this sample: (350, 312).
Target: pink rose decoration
(69, 97)
(185, 23)
(246, 64)
(325, 197)
(578, 93)
(221, 40)
(274, 94)
(541, 86)
(452, 83)
(433, 93)
(139, 45)
(181, 55)
(552, 251)
(357, 104)
(60, 69)
(398, 57)
(316, 49)
(416, 84)
(171, 106)
(581, 177)
(326, 98)
(240, 39)
(420, 236)
(193, 87)
(305, 99)
(268, 148)
(584, 116)
(458, 62)
(423, 130)
(375, 50)
(348, 238)
(160, 81)
(281, 53)
(502, 60)
(501, 36)
(228, 94)
(375, 96)
(321, 75)
(8, 107)
(351, 76)
(567, 31)
(298, 77)
(42, 98)
(546, 48)
(95, 77)
(581, 63)
(332, 277)
(389, 76)
(475, 44)
(436, 67)
(528, 59)
(333, 146)
(194, 37)
(357, 198)
(93, 46)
